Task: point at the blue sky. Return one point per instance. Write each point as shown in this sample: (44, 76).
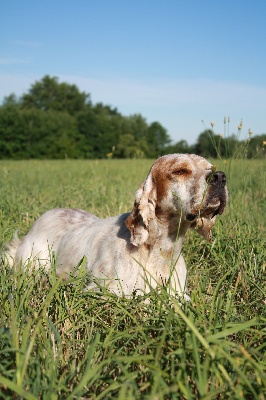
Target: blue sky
(179, 62)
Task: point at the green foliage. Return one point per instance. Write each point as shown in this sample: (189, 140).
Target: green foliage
(128, 147)
(48, 94)
(58, 341)
(100, 128)
(55, 120)
(32, 133)
(179, 147)
(257, 146)
(225, 146)
(157, 139)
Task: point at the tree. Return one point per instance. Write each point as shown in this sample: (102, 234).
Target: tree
(100, 128)
(12, 136)
(10, 100)
(129, 147)
(179, 147)
(32, 133)
(48, 94)
(55, 120)
(157, 138)
(257, 146)
(136, 125)
(207, 144)
(50, 134)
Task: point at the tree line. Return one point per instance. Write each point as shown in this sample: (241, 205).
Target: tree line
(56, 120)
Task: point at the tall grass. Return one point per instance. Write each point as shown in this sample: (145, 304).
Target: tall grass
(58, 341)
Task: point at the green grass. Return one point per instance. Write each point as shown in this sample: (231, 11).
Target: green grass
(58, 341)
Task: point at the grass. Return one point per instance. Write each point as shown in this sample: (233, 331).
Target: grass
(58, 341)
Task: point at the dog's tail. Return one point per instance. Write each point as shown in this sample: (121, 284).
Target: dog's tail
(10, 251)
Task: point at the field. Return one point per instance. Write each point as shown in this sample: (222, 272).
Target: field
(58, 341)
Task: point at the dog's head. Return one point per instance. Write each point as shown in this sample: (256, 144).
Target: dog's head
(179, 187)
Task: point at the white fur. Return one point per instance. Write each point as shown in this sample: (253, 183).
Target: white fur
(134, 251)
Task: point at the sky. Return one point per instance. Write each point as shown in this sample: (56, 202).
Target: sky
(183, 63)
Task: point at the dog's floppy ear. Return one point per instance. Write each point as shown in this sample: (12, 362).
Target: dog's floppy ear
(142, 222)
(204, 227)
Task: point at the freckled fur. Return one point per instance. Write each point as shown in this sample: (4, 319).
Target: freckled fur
(133, 251)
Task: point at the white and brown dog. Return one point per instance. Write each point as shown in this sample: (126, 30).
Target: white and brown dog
(138, 250)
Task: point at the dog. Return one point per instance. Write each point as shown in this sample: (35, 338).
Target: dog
(137, 251)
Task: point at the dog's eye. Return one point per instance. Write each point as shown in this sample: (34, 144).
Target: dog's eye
(181, 171)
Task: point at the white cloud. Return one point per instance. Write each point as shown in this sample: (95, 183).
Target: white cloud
(170, 93)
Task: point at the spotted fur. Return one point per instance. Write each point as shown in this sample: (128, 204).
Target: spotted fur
(139, 250)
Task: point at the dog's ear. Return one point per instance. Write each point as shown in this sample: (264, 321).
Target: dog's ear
(142, 222)
(204, 226)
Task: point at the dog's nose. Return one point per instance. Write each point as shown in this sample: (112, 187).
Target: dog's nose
(218, 179)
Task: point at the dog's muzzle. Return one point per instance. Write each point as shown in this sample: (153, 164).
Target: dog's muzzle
(218, 191)
(217, 194)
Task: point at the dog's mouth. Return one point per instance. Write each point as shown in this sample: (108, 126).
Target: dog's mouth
(215, 207)
(214, 204)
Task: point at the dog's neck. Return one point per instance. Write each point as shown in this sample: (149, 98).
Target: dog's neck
(171, 231)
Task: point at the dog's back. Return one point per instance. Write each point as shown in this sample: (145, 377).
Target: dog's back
(44, 237)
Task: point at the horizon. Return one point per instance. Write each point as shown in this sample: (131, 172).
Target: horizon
(178, 63)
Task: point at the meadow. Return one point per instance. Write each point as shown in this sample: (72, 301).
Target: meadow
(58, 341)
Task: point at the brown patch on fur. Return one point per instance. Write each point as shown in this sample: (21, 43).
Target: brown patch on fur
(134, 219)
(71, 213)
(204, 227)
(164, 171)
(160, 175)
(167, 254)
(183, 170)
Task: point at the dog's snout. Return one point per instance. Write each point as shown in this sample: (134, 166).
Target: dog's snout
(217, 179)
